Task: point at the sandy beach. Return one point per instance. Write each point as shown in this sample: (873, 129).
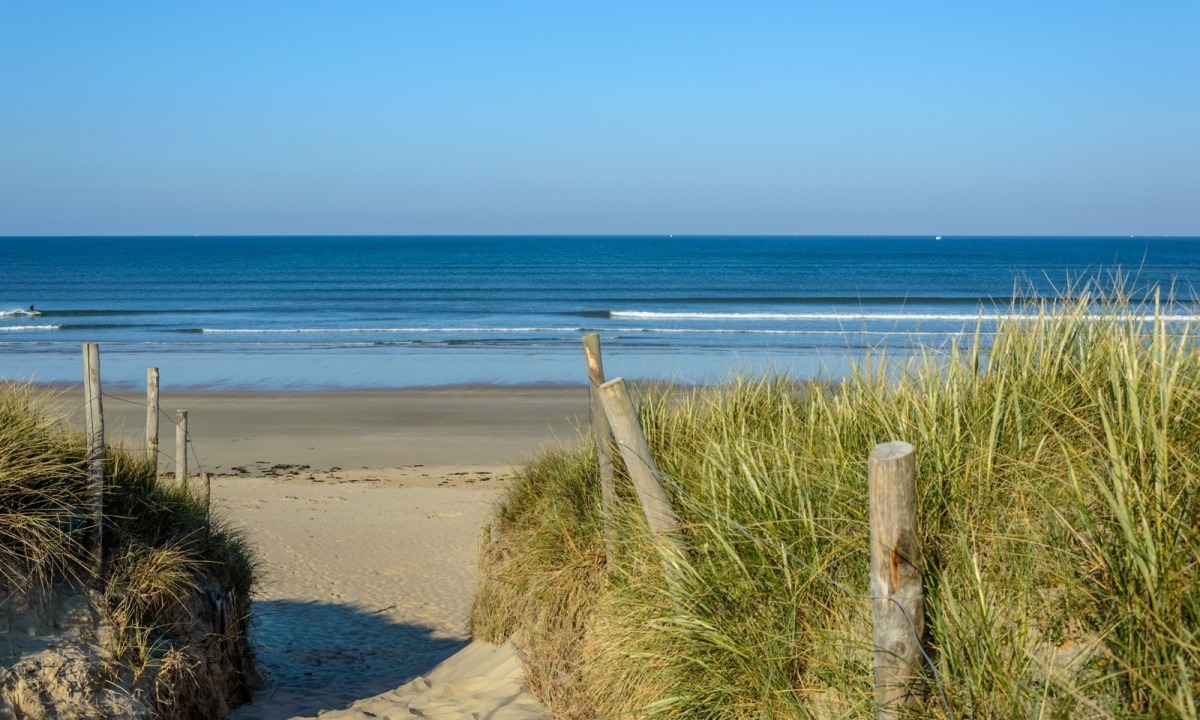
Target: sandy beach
(366, 509)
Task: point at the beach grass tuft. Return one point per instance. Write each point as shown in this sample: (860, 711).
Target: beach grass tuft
(176, 583)
(1058, 478)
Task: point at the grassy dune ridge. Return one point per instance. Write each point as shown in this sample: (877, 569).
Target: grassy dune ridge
(173, 599)
(1059, 487)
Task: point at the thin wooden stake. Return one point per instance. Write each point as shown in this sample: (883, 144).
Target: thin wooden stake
(181, 469)
(897, 609)
(152, 417)
(631, 441)
(602, 434)
(94, 423)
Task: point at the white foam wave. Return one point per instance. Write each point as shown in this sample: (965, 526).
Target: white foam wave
(847, 331)
(14, 328)
(897, 317)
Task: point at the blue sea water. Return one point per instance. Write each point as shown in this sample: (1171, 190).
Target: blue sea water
(361, 312)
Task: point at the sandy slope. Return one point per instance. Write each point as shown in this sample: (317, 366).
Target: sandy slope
(480, 681)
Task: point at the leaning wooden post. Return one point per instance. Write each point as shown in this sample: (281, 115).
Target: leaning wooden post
(152, 417)
(602, 434)
(897, 605)
(631, 440)
(94, 423)
(181, 447)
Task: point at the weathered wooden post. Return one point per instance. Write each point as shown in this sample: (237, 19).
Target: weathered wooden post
(94, 427)
(631, 441)
(897, 605)
(602, 434)
(152, 417)
(181, 470)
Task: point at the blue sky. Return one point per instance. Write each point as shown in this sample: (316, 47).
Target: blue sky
(577, 117)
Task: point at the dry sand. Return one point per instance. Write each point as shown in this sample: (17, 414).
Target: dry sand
(366, 509)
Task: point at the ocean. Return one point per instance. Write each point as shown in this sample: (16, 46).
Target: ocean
(313, 313)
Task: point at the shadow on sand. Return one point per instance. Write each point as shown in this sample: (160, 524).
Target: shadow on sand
(320, 656)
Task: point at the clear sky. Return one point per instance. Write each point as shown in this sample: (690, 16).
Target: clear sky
(395, 117)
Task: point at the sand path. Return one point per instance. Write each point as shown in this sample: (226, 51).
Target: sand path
(367, 587)
(366, 511)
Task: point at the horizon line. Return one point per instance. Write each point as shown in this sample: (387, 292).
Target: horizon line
(602, 235)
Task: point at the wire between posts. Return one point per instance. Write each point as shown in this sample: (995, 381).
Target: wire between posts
(124, 400)
(169, 457)
(81, 406)
(819, 573)
(191, 451)
(164, 453)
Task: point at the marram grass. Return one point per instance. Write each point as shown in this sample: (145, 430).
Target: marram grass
(161, 551)
(1059, 486)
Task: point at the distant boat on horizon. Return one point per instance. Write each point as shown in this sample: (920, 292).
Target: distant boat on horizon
(939, 237)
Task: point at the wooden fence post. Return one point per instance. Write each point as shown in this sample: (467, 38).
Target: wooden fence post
(631, 441)
(602, 434)
(897, 605)
(181, 464)
(152, 417)
(94, 424)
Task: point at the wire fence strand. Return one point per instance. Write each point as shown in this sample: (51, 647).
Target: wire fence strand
(81, 406)
(200, 469)
(124, 400)
(164, 456)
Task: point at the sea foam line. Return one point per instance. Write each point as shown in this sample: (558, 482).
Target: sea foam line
(13, 328)
(651, 315)
(963, 317)
(845, 331)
